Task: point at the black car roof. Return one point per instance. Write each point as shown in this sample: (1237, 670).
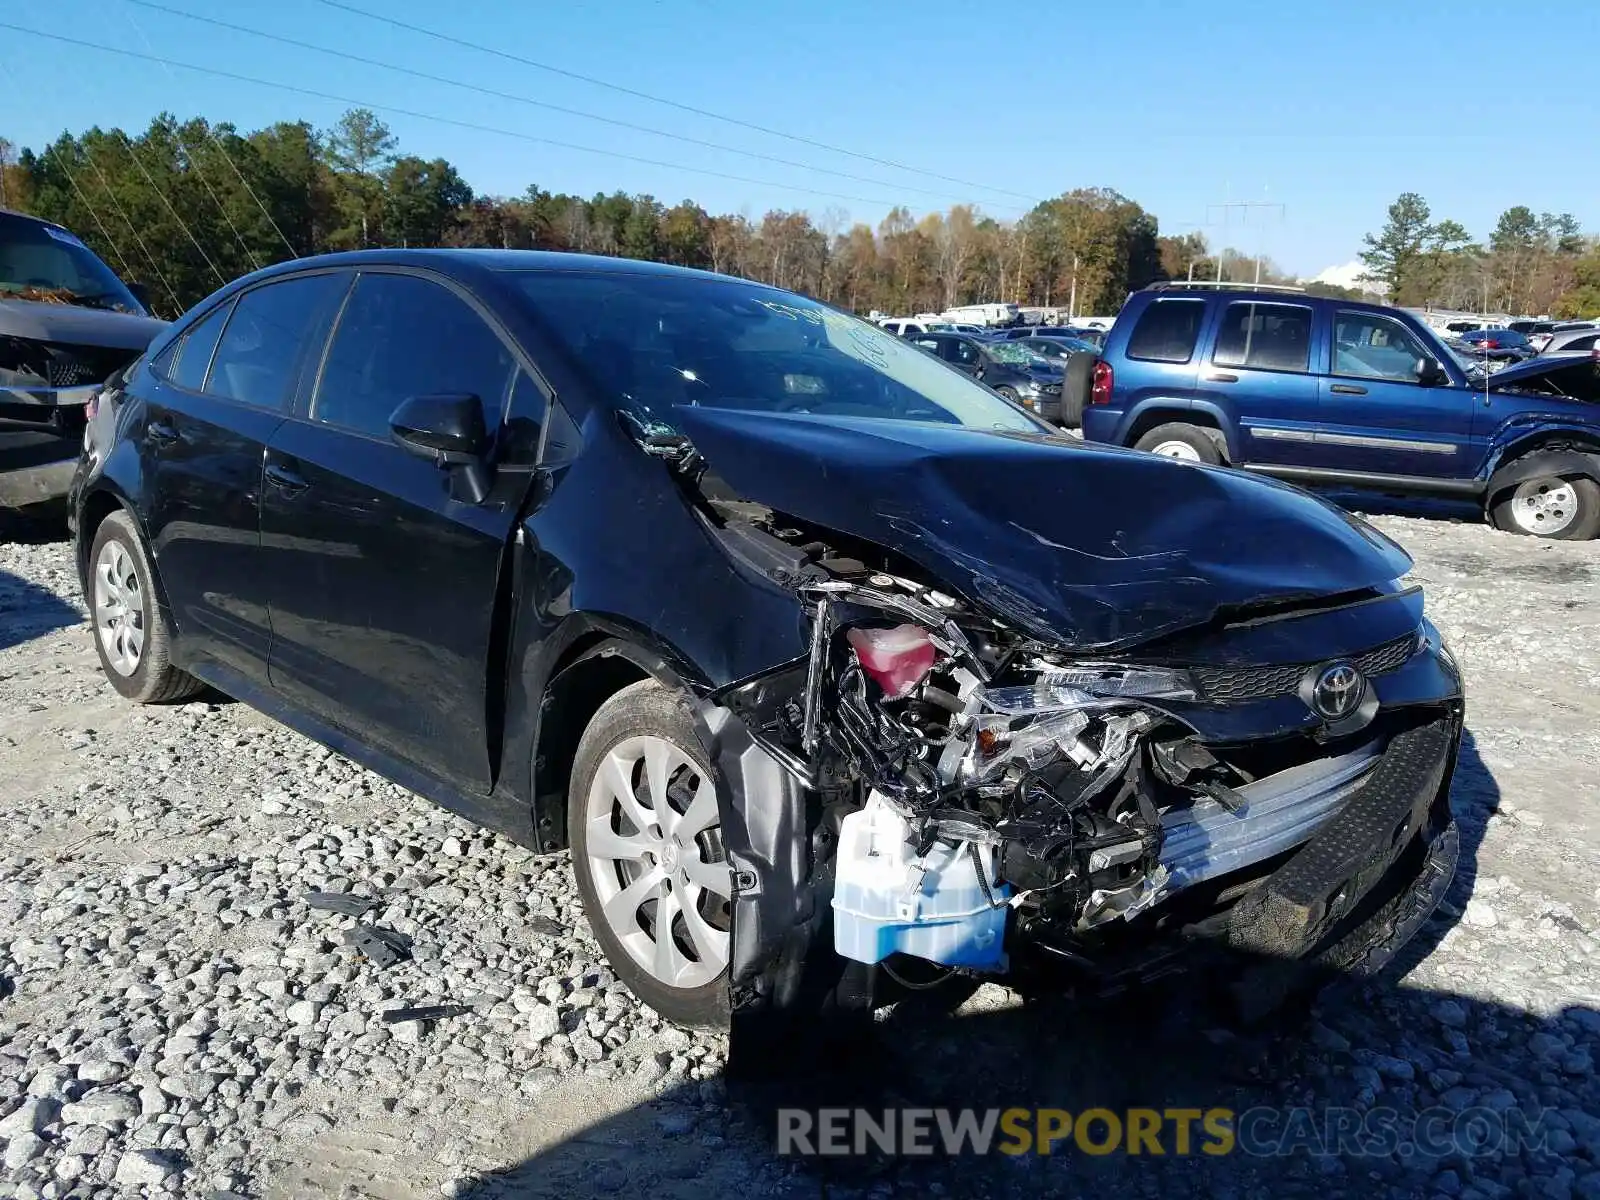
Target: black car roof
(471, 261)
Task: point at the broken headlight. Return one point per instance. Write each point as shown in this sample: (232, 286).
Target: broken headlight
(1088, 685)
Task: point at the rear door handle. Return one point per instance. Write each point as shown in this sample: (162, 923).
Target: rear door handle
(160, 433)
(1348, 389)
(285, 480)
(1223, 377)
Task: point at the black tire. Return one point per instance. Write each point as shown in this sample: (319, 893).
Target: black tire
(1583, 525)
(647, 709)
(1206, 443)
(1010, 394)
(154, 680)
(1075, 385)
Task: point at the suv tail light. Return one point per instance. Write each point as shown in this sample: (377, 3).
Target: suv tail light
(1101, 382)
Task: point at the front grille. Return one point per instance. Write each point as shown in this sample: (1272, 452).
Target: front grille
(69, 365)
(1231, 685)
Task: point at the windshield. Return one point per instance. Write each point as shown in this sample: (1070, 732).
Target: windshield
(657, 342)
(1015, 354)
(43, 263)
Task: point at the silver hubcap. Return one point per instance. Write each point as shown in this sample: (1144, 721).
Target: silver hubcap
(1544, 506)
(654, 846)
(1176, 449)
(119, 615)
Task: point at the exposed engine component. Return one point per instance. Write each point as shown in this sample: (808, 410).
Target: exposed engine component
(983, 778)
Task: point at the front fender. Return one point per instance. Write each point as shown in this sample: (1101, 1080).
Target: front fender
(1543, 462)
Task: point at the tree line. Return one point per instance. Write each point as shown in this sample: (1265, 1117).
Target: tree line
(1531, 264)
(186, 206)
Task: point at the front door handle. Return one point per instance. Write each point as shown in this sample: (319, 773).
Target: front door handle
(285, 480)
(160, 433)
(1223, 377)
(1348, 389)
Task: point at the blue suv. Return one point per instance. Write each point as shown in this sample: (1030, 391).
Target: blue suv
(1334, 393)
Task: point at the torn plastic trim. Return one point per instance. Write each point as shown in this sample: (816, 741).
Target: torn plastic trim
(1273, 814)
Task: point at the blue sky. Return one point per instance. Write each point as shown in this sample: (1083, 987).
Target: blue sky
(1328, 109)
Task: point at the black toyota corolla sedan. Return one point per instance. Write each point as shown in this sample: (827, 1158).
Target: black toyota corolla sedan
(817, 654)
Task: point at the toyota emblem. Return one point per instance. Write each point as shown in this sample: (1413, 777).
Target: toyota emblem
(1337, 691)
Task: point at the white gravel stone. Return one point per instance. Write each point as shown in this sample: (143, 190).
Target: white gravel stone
(102, 1108)
(22, 1150)
(146, 1168)
(1480, 914)
(32, 1117)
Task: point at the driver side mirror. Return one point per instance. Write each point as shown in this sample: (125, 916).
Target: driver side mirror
(449, 429)
(1430, 373)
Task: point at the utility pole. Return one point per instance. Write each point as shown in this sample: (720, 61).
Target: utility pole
(1244, 208)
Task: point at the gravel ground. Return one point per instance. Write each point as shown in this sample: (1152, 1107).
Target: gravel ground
(176, 1019)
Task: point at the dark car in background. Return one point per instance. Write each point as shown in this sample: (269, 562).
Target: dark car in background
(813, 651)
(66, 324)
(1018, 374)
(1339, 393)
(1500, 345)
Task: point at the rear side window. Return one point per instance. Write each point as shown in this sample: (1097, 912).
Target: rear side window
(1583, 343)
(1167, 331)
(401, 336)
(258, 359)
(188, 369)
(1267, 337)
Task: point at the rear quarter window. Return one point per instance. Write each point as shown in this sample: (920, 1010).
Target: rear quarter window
(1167, 331)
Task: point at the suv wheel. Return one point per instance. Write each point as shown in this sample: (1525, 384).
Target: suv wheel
(1552, 507)
(130, 631)
(647, 854)
(1188, 443)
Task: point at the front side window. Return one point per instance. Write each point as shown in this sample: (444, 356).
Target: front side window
(258, 359)
(650, 343)
(401, 336)
(961, 352)
(188, 369)
(1368, 346)
(1266, 337)
(1167, 331)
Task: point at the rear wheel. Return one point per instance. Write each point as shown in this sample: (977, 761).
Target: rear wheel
(1550, 506)
(647, 854)
(1187, 443)
(1009, 393)
(131, 632)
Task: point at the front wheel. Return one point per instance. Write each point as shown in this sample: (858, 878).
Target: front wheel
(130, 630)
(1187, 443)
(1550, 506)
(648, 857)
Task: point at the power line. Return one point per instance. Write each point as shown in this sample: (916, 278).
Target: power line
(255, 263)
(94, 215)
(688, 108)
(165, 199)
(516, 99)
(423, 116)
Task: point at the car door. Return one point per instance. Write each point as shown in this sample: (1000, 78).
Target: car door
(384, 582)
(1260, 371)
(211, 409)
(1378, 417)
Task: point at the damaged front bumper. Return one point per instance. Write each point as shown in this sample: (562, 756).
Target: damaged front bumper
(876, 806)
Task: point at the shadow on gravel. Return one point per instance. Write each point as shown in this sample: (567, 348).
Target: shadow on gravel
(28, 611)
(1432, 508)
(1369, 1088)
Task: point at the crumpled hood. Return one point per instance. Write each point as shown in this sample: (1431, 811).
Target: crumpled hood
(1091, 547)
(77, 324)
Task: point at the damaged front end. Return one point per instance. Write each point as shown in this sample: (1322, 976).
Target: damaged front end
(979, 796)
